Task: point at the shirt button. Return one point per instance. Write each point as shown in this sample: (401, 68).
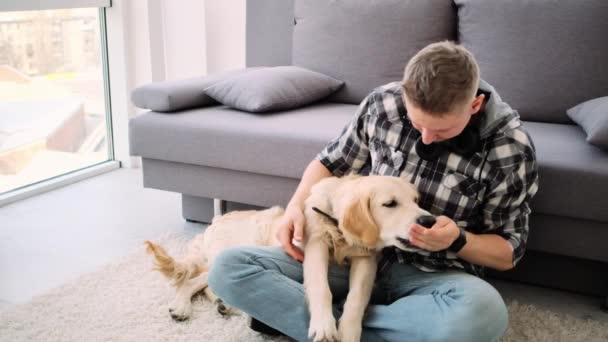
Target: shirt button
(450, 181)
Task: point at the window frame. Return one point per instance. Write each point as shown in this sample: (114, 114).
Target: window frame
(116, 91)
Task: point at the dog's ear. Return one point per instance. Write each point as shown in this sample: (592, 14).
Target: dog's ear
(357, 219)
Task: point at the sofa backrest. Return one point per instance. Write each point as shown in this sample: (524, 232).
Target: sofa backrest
(367, 43)
(542, 56)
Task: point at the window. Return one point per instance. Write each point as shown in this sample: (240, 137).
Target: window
(53, 93)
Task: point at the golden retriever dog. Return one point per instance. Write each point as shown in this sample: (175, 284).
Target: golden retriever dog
(189, 274)
(348, 220)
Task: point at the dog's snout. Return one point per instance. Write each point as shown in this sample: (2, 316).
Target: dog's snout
(426, 221)
(405, 242)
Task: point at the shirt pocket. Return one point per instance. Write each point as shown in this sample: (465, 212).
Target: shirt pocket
(386, 160)
(468, 186)
(463, 195)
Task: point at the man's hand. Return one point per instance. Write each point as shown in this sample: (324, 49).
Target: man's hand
(291, 227)
(437, 238)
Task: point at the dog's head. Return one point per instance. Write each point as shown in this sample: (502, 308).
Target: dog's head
(374, 211)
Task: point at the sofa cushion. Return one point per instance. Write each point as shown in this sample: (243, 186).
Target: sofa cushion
(278, 144)
(271, 89)
(592, 116)
(573, 175)
(367, 43)
(543, 56)
(172, 96)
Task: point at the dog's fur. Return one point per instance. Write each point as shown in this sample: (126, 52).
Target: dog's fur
(189, 274)
(372, 212)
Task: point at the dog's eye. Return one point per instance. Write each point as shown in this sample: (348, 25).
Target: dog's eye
(390, 204)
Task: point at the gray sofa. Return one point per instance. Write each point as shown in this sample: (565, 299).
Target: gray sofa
(542, 56)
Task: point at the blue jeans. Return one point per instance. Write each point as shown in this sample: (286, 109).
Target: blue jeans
(407, 304)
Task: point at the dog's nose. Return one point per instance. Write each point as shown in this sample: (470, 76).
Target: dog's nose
(426, 221)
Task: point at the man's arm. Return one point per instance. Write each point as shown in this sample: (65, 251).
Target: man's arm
(505, 217)
(489, 250)
(292, 223)
(507, 208)
(315, 171)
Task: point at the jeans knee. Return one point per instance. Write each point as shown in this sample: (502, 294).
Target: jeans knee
(481, 316)
(493, 310)
(220, 276)
(499, 320)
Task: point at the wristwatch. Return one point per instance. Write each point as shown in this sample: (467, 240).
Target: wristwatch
(460, 241)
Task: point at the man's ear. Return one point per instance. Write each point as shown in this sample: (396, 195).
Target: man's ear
(358, 221)
(477, 104)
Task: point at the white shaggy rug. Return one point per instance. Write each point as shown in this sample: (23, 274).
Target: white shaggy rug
(126, 301)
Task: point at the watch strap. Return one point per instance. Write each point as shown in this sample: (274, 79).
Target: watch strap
(459, 243)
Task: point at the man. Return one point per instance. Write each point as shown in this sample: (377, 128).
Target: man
(475, 168)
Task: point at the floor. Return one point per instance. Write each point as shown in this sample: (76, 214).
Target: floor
(54, 237)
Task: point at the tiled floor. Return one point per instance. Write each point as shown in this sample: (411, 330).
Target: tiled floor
(52, 238)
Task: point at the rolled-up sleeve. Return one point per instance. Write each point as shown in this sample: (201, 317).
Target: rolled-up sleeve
(349, 151)
(507, 209)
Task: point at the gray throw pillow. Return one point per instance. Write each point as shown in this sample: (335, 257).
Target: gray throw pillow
(272, 89)
(592, 116)
(172, 96)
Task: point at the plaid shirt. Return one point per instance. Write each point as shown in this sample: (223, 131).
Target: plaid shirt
(485, 193)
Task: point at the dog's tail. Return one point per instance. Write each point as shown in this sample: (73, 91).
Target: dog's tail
(176, 271)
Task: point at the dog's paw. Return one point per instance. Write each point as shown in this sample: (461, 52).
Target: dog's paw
(180, 310)
(349, 331)
(323, 329)
(224, 309)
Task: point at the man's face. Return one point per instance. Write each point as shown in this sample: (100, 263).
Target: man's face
(435, 128)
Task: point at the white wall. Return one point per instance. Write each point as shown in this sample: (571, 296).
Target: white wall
(138, 42)
(176, 39)
(167, 39)
(244, 33)
(225, 34)
(184, 38)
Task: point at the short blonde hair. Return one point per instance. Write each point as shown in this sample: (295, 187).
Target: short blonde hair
(441, 77)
